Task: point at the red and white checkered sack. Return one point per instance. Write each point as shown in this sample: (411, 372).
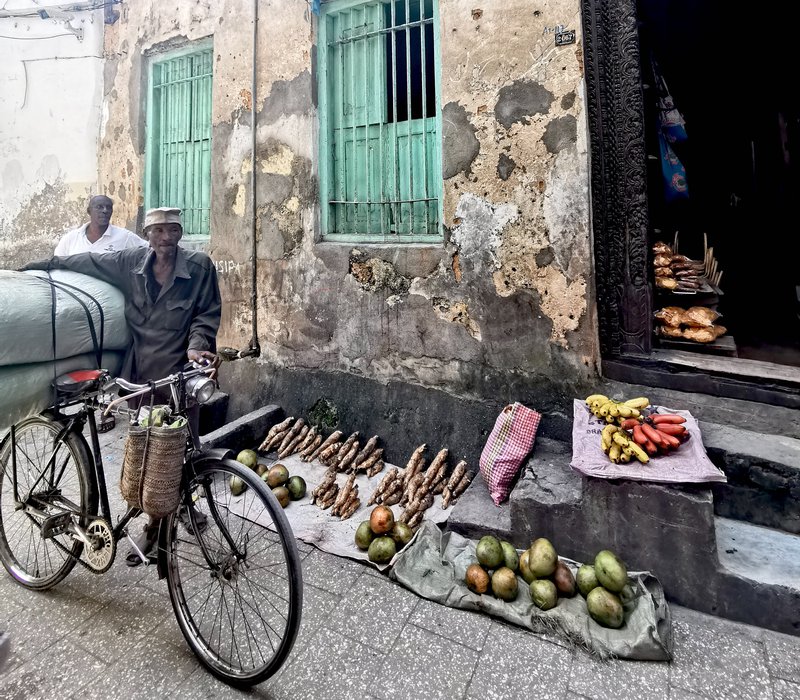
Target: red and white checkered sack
(508, 444)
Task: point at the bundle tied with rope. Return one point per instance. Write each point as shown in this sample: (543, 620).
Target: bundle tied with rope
(153, 464)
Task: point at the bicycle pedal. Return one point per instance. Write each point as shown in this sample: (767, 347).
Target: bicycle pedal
(107, 425)
(56, 524)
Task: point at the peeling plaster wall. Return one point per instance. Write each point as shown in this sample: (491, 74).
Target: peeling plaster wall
(49, 125)
(503, 303)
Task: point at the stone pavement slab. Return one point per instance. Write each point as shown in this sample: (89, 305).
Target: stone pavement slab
(362, 636)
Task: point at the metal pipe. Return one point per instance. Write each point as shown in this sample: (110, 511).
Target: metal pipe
(254, 349)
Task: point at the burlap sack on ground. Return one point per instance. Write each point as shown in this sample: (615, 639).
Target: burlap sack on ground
(434, 565)
(687, 465)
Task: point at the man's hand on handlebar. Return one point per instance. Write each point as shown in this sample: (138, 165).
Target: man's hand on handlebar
(204, 358)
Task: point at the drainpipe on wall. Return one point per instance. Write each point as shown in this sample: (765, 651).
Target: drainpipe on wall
(254, 349)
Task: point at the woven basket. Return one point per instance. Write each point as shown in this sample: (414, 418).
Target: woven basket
(151, 469)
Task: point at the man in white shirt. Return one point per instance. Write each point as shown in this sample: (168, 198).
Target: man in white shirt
(98, 236)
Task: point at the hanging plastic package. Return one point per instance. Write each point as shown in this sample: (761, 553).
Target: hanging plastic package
(671, 130)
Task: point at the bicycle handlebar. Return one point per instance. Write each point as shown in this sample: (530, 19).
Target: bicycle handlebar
(141, 389)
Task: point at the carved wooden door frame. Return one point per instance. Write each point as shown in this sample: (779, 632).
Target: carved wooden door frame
(619, 176)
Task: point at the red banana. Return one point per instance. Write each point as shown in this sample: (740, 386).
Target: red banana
(641, 439)
(671, 418)
(671, 440)
(629, 423)
(671, 429)
(654, 436)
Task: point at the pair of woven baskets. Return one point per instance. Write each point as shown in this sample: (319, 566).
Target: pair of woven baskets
(152, 467)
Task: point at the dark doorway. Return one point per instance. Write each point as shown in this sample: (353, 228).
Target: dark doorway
(732, 79)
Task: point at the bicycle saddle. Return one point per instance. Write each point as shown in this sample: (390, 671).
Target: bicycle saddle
(78, 381)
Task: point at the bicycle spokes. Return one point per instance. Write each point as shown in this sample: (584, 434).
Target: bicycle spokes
(233, 577)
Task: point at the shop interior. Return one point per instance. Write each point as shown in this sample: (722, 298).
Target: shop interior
(722, 121)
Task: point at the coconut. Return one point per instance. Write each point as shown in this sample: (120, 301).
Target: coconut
(278, 475)
(510, 555)
(381, 550)
(401, 534)
(524, 569)
(587, 579)
(238, 487)
(542, 558)
(477, 579)
(544, 594)
(611, 572)
(605, 608)
(248, 458)
(364, 536)
(504, 584)
(489, 552)
(381, 520)
(282, 494)
(297, 487)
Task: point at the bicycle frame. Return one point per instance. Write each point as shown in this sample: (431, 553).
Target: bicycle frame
(75, 422)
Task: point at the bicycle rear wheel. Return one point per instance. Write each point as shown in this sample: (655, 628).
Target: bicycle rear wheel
(66, 485)
(236, 587)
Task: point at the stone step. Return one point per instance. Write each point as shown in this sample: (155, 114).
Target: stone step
(670, 530)
(759, 553)
(763, 476)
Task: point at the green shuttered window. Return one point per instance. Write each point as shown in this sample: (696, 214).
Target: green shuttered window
(380, 160)
(178, 172)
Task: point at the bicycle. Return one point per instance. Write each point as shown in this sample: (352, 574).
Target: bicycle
(235, 581)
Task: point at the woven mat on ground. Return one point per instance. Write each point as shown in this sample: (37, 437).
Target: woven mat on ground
(689, 464)
(315, 526)
(434, 565)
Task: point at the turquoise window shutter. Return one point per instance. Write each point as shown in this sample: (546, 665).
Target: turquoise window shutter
(178, 148)
(380, 160)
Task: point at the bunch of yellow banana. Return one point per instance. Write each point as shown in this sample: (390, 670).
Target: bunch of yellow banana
(620, 447)
(616, 411)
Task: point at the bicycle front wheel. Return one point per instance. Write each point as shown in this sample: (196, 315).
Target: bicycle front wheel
(54, 477)
(235, 583)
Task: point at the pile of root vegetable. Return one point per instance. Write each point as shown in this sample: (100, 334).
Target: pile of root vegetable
(412, 488)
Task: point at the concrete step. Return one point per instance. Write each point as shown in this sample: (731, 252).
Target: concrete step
(758, 553)
(669, 530)
(763, 476)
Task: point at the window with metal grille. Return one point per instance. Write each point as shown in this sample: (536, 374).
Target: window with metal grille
(380, 160)
(178, 150)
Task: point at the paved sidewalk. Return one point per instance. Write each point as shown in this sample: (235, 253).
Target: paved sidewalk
(362, 636)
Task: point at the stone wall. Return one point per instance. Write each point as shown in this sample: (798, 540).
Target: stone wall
(501, 309)
(51, 77)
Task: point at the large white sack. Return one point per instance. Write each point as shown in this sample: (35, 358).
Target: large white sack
(26, 305)
(26, 390)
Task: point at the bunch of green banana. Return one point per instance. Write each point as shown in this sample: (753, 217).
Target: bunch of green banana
(620, 447)
(616, 411)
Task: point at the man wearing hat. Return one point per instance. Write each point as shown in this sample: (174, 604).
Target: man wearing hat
(172, 305)
(172, 300)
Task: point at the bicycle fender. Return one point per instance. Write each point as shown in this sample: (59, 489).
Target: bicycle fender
(215, 453)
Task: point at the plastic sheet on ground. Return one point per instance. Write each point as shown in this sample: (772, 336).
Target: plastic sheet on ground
(689, 464)
(434, 565)
(26, 328)
(26, 390)
(329, 533)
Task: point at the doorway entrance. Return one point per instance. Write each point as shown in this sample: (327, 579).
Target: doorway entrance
(732, 92)
(736, 155)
